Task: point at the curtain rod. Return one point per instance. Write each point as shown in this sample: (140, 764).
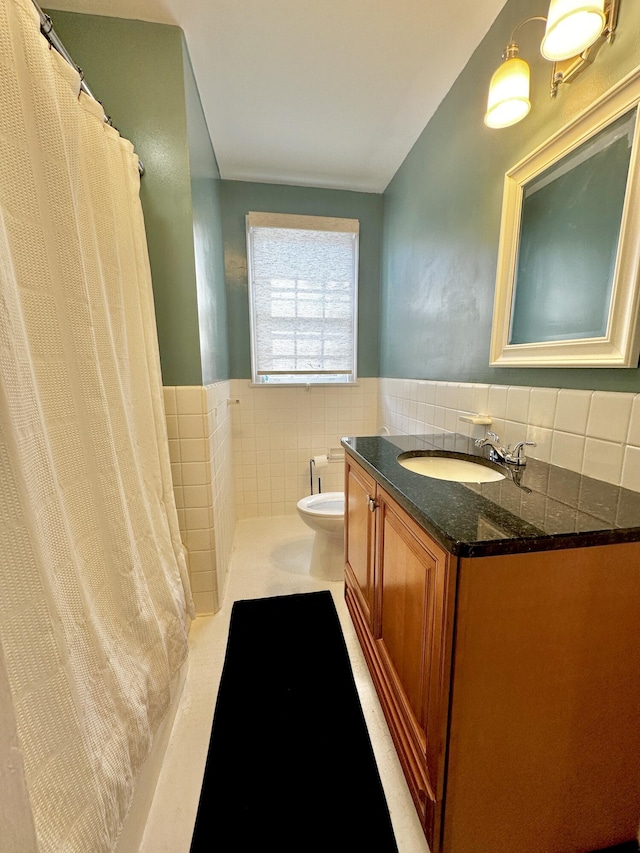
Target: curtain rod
(46, 28)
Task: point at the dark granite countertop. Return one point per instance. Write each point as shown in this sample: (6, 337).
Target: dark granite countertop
(540, 508)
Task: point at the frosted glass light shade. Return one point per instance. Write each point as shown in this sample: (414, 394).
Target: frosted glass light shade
(508, 101)
(572, 25)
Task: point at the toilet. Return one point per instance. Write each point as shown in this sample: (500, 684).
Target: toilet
(324, 513)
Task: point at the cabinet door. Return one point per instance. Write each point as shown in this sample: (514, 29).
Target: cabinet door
(360, 491)
(414, 602)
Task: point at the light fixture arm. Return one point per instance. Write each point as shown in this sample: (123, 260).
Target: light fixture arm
(512, 40)
(612, 20)
(512, 48)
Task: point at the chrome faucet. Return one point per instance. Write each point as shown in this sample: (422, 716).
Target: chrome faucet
(492, 440)
(512, 455)
(517, 453)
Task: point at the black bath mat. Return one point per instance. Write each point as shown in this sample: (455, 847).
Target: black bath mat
(290, 765)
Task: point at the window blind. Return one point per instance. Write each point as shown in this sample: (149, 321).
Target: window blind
(303, 295)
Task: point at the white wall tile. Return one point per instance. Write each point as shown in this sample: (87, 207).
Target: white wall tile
(465, 397)
(199, 540)
(202, 457)
(543, 438)
(204, 603)
(452, 394)
(421, 395)
(609, 415)
(174, 450)
(441, 394)
(518, 403)
(451, 422)
(497, 404)
(535, 414)
(195, 473)
(172, 427)
(197, 518)
(194, 450)
(513, 432)
(202, 582)
(542, 407)
(480, 399)
(572, 410)
(633, 436)
(567, 450)
(169, 394)
(192, 426)
(201, 561)
(190, 399)
(603, 460)
(302, 424)
(631, 469)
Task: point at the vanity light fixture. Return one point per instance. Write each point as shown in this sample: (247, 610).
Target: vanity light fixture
(572, 29)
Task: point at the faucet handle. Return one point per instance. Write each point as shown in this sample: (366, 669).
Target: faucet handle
(517, 454)
(490, 438)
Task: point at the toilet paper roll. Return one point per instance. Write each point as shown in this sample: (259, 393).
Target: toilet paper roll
(320, 461)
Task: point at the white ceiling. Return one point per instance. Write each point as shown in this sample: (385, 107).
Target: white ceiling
(327, 94)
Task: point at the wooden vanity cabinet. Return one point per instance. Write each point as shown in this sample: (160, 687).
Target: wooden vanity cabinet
(399, 593)
(359, 527)
(510, 683)
(543, 748)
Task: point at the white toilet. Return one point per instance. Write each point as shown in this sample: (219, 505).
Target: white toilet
(324, 513)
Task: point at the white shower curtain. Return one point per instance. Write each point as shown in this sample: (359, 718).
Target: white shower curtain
(94, 598)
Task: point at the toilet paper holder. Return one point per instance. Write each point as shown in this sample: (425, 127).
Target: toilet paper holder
(321, 461)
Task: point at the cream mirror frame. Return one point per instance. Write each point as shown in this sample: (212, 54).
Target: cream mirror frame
(619, 345)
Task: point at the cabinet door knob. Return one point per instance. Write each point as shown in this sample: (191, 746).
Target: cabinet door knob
(372, 504)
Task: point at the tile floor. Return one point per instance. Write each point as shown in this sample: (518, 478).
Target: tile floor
(270, 556)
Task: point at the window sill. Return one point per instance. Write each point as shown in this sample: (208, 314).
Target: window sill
(304, 384)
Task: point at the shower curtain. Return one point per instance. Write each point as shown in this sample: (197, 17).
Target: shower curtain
(94, 597)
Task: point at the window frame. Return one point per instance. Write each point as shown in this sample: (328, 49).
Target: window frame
(256, 219)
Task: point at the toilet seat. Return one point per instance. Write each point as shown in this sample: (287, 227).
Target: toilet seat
(326, 504)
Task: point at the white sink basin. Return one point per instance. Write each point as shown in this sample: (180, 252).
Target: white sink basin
(450, 468)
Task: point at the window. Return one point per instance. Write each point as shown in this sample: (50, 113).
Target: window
(303, 276)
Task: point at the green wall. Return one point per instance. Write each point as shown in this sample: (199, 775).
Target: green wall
(239, 197)
(141, 74)
(207, 237)
(425, 309)
(443, 206)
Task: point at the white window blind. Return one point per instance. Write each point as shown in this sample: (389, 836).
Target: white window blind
(303, 275)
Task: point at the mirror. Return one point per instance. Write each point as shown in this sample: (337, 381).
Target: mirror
(567, 285)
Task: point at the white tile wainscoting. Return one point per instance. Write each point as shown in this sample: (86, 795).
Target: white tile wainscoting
(200, 446)
(596, 433)
(277, 430)
(241, 451)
